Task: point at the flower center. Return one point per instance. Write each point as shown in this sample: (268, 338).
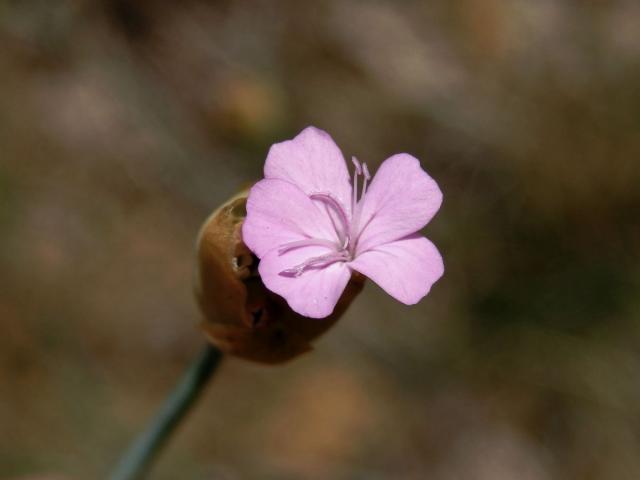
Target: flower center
(348, 233)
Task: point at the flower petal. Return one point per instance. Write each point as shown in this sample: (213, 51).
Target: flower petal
(401, 200)
(313, 162)
(278, 212)
(316, 291)
(406, 268)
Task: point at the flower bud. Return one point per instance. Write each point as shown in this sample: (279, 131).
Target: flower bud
(241, 316)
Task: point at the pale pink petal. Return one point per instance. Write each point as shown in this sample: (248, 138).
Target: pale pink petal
(406, 268)
(401, 200)
(313, 162)
(316, 291)
(278, 212)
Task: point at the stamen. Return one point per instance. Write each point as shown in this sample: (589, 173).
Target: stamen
(357, 207)
(367, 177)
(306, 243)
(337, 206)
(336, 223)
(322, 260)
(354, 194)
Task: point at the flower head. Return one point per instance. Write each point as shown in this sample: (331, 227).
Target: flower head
(312, 226)
(241, 316)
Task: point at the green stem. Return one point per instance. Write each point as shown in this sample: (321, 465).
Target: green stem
(138, 458)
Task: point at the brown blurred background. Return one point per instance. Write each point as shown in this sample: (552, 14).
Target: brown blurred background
(124, 123)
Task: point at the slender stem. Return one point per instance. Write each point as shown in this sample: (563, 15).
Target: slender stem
(138, 458)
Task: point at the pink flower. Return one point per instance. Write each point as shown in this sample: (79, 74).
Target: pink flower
(310, 229)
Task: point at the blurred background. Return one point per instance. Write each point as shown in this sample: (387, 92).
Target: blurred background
(123, 123)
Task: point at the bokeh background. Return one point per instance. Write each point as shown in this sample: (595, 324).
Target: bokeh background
(123, 123)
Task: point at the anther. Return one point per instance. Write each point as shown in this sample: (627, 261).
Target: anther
(365, 169)
(367, 177)
(357, 164)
